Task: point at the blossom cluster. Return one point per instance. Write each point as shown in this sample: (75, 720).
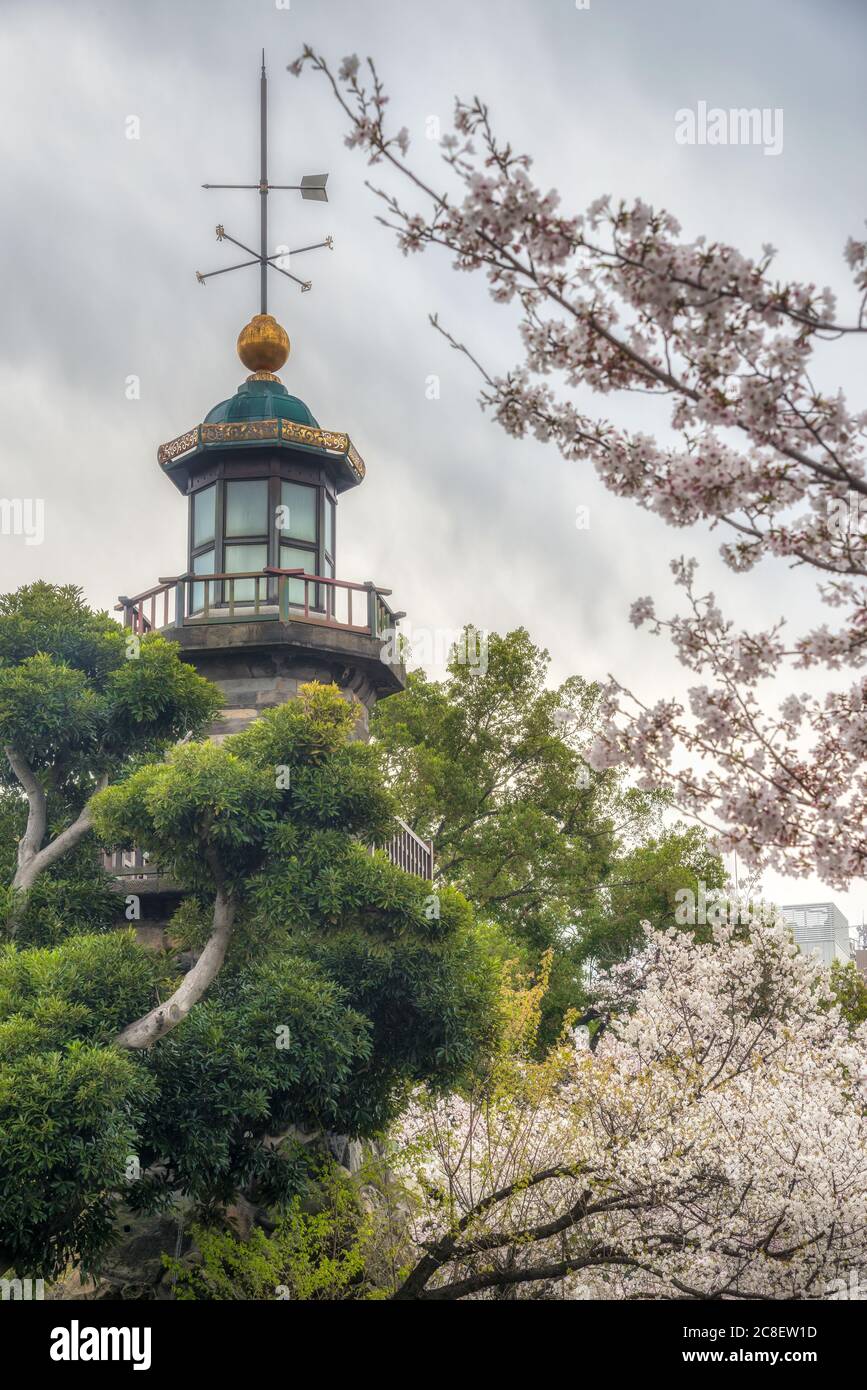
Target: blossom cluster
(616, 299)
(710, 1146)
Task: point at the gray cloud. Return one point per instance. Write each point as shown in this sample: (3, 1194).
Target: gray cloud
(100, 236)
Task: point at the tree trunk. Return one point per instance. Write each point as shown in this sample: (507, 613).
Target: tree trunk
(34, 857)
(161, 1020)
(30, 866)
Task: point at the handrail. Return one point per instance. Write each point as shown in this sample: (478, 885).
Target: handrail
(148, 593)
(195, 599)
(405, 849)
(321, 579)
(248, 574)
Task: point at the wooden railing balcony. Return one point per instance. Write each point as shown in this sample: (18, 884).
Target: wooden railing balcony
(271, 594)
(405, 849)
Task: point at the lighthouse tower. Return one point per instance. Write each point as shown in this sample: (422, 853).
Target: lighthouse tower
(258, 604)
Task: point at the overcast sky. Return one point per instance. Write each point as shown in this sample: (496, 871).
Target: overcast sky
(100, 236)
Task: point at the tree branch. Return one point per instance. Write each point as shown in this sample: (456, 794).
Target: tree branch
(34, 857)
(508, 1278)
(445, 1249)
(164, 1017)
(31, 840)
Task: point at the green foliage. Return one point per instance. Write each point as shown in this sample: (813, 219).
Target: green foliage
(376, 983)
(237, 804)
(642, 884)
(102, 982)
(310, 1255)
(57, 908)
(432, 1006)
(68, 1121)
(73, 897)
(331, 782)
(481, 765)
(200, 808)
(190, 924)
(79, 697)
(47, 709)
(346, 981)
(271, 1046)
(561, 858)
(850, 992)
(491, 768)
(53, 619)
(408, 960)
(70, 1105)
(321, 1037)
(155, 698)
(323, 879)
(80, 703)
(300, 732)
(77, 700)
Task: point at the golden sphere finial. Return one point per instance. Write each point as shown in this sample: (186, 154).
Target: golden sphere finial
(263, 345)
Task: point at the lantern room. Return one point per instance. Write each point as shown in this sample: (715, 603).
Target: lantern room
(262, 479)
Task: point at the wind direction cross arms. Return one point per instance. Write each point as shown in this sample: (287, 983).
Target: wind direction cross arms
(311, 187)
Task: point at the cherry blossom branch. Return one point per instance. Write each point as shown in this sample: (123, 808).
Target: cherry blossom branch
(613, 299)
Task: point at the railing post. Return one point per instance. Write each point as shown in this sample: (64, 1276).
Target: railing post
(372, 614)
(180, 603)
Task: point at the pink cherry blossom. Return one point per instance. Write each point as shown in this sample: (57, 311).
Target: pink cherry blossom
(616, 300)
(708, 1144)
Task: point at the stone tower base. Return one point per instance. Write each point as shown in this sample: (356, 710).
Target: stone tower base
(259, 665)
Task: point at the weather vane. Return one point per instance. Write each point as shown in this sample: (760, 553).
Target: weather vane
(312, 186)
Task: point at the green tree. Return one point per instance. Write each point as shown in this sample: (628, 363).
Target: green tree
(74, 896)
(80, 699)
(326, 984)
(318, 1250)
(850, 992)
(491, 768)
(70, 1103)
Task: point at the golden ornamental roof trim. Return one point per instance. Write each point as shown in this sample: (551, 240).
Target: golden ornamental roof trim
(256, 431)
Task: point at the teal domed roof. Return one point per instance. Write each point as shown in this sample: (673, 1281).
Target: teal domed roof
(261, 400)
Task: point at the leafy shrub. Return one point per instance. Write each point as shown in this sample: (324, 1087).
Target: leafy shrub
(313, 1255)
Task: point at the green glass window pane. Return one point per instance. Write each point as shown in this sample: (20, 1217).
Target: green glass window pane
(329, 526)
(202, 564)
(247, 507)
(239, 558)
(299, 515)
(204, 515)
(293, 558)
